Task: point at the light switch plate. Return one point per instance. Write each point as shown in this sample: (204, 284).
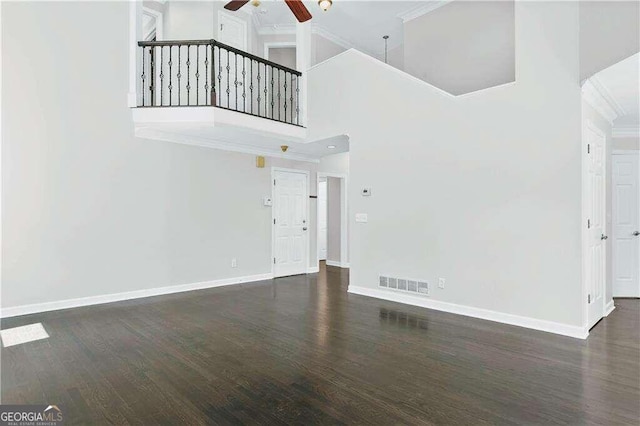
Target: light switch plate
(362, 218)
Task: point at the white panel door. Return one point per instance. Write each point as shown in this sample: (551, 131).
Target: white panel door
(322, 220)
(626, 226)
(290, 223)
(596, 227)
(230, 83)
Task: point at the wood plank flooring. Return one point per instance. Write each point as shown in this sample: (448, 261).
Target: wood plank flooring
(300, 350)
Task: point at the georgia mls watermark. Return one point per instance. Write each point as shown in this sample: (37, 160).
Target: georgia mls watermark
(30, 415)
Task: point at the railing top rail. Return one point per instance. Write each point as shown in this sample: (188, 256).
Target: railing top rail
(162, 43)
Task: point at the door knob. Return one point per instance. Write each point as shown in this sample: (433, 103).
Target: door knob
(636, 233)
(603, 237)
(304, 229)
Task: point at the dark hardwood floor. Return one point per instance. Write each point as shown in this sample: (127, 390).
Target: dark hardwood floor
(300, 350)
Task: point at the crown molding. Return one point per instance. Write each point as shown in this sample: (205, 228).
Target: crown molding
(625, 131)
(606, 94)
(418, 11)
(592, 95)
(288, 29)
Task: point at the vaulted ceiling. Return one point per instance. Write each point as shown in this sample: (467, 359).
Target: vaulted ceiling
(358, 23)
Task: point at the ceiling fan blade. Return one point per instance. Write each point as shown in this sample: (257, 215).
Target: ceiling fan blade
(299, 10)
(235, 4)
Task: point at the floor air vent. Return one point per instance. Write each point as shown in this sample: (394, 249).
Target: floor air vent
(404, 284)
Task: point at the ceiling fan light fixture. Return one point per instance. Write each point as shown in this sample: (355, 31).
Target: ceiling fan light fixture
(255, 3)
(325, 4)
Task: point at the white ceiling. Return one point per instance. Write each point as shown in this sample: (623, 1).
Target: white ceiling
(360, 23)
(620, 85)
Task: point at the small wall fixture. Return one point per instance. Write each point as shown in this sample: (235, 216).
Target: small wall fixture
(260, 162)
(284, 148)
(255, 3)
(325, 4)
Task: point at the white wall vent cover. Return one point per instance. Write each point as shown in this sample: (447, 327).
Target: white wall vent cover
(404, 284)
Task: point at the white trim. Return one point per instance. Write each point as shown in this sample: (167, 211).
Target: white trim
(337, 264)
(469, 311)
(625, 152)
(625, 132)
(313, 270)
(129, 295)
(135, 34)
(307, 173)
(591, 95)
(609, 308)
(418, 11)
(287, 29)
(159, 18)
(606, 94)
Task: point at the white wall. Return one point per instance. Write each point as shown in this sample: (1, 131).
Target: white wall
(284, 56)
(195, 20)
(323, 49)
(89, 209)
(462, 46)
(482, 189)
(609, 33)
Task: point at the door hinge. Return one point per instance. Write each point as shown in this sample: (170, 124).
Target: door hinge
(588, 223)
(589, 298)
(274, 260)
(274, 182)
(274, 221)
(588, 148)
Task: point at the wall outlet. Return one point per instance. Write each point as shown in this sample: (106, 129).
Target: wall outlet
(234, 263)
(441, 282)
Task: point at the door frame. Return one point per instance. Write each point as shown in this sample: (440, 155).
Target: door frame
(344, 217)
(307, 174)
(589, 125)
(238, 20)
(613, 228)
(277, 44)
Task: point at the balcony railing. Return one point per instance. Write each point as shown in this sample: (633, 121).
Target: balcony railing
(210, 73)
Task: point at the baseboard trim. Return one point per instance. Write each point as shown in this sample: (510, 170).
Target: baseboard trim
(129, 295)
(337, 264)
(313, 270)
(485, 314)
(609, 308)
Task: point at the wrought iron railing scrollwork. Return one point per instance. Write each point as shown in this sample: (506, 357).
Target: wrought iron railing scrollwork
(210, 73)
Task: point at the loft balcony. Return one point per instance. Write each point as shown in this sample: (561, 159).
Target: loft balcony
(207, 93)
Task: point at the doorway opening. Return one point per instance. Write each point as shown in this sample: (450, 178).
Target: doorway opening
(332, 220)
(611, 188)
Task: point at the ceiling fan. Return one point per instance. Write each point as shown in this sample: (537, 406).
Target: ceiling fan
(297, 7)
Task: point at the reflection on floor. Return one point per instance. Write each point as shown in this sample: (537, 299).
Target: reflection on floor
(301, 350)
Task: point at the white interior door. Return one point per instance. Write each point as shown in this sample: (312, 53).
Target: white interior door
(291, 227)
(596, 227)
(626, 226)
(232, 31)
(322, 220)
